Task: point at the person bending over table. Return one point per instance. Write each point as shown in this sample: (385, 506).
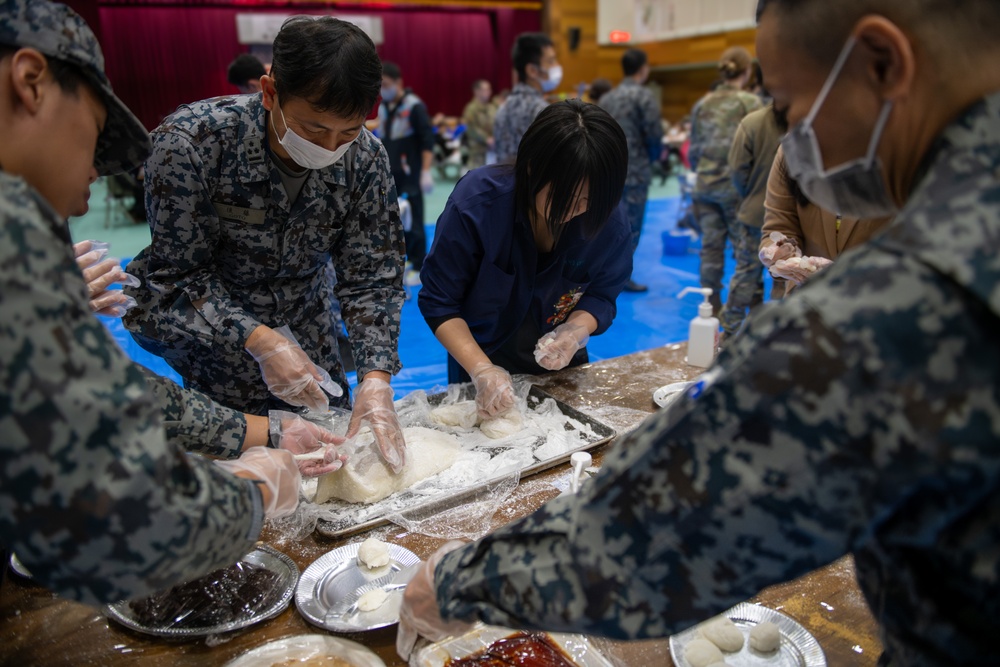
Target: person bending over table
(528, 259)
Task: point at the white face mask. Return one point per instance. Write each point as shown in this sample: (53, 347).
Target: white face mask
(555, 75)
(856, 188)
(305, 153)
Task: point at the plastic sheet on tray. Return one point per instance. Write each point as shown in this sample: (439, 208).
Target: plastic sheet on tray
(577, 648)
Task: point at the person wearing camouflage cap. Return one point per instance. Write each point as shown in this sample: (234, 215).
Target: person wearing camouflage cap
(859, 415)
(248, 198)
(93, 480)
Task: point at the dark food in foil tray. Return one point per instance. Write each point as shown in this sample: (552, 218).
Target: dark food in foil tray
(220, 597)
(527, 649)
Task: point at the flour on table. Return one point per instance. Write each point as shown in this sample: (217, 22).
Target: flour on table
(366, 478)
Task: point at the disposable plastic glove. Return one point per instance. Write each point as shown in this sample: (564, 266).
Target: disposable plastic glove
(494, 390)
(419, 615)
(799, 269)
(555, 349)
(300, 436)
(782, 248)
(100, 274)
(277, 470)
(373, 406)
(426, 181)
(290, 375)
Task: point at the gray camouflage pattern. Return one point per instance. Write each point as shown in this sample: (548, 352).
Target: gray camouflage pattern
(859, 415)
(223, 230)
(514, 118)
(57, 31)
(94, 498)
(746, 287)
(714, 121)
(637, 110)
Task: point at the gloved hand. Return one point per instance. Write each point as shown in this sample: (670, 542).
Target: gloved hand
(100, 274)
(426, 181)
(782, 248)
(419, 614)
(555, 349)
(494, 390)
(799, 269)
(289, 374)
(276, 468)
(300, 436)
(373, 405)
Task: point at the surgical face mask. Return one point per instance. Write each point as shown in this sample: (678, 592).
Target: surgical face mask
(856, 188)
(305, 153)
(555, 74)
(388, 94)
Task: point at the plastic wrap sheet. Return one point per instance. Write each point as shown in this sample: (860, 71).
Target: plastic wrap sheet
(470, 491)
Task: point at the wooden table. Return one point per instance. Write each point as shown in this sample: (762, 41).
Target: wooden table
(36, 628)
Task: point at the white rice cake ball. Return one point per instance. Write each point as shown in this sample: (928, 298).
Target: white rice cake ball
(372, 600)
(724, 634)
(702, 653)
(373, 553)
(765, 637)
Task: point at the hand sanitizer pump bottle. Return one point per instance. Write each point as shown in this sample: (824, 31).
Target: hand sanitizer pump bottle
(703, 335)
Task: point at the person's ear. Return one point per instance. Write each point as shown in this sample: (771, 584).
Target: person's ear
(29, 71)
(268, 92)
(890, 61)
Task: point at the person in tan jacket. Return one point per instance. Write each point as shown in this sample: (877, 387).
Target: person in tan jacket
(807, 237)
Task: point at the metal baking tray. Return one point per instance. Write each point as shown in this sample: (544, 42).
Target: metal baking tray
(602, 434)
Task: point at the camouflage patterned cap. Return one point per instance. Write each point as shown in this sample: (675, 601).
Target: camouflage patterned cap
(59, 32)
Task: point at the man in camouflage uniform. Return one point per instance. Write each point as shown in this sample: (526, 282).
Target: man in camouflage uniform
(714, 121)
(93, 483)
(248, 198)
(538, 72)
(860, 415)
(478, 117)
(638, 112)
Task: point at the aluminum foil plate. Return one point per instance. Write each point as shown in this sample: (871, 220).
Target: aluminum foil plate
(303, 648)
(262, 556)
(798, 648)
(667, 394)
(577, 647)
(337, 575)
(18, 567)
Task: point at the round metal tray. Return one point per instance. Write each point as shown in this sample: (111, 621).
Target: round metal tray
(302, 648)
(262, 556)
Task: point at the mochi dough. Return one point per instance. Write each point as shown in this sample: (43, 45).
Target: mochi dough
(366, 478)
(724, 634)
(373, 553)
(372, 600)
(461, 414)
(765, 637)
(502, 426)
(702, 653)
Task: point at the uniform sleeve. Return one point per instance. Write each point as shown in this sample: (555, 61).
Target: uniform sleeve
(695, 138)
(369, 262)
(779, 467)
(781, 211)
(421, 122)
(608, 280)
(475, 132)
(185, 231)
(93, 498)
(652, 125)
(451, 266)
(195, 422)
(741, 159)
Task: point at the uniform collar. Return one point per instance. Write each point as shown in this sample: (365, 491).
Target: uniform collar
(252, 155)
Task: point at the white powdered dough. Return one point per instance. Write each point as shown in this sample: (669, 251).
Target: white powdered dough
(724, 634)
(502, 426)
(702, 653)
(765, 637)
(373, 553)
(461, 414)
(719, 664)
(372, 600)
(366, 478)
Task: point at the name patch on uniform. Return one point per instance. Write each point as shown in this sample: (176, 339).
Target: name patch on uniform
(248, 216)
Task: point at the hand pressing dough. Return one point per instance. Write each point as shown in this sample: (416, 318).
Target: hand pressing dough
(502, 426)
(461, 414)
(366, 478)
(724, 634)
(765, 637)
(372, 600)
(702, 653)
(373, 553)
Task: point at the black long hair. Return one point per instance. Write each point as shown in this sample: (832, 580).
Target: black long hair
(569, 143)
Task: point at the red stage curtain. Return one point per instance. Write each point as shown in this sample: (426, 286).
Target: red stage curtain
(160, 57)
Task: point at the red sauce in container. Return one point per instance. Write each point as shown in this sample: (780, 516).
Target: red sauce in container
(534, 649)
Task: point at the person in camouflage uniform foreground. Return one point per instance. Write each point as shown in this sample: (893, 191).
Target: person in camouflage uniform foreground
(860, 415)
(248, 198)
(97, 496)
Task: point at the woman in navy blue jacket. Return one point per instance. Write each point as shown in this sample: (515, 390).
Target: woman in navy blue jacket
(528, 259)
